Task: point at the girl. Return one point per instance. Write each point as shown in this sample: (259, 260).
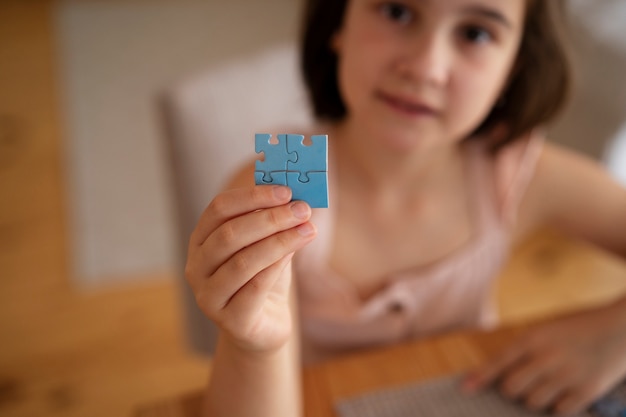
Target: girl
(438, 167)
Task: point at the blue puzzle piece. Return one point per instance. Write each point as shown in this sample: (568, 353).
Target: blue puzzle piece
(313, 158)
(276, 155)
(275, 177)
(290, 162)
(314, 191)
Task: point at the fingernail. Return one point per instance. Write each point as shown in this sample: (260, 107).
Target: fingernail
(281, 193)
(300, 210)
(306, 229)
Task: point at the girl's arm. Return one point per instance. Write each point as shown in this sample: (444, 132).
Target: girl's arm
(239, 267)
(567, 363)
(244, 383)
(577, 196)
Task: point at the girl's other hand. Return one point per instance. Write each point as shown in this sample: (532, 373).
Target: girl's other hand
(562, 366)
(239, 263)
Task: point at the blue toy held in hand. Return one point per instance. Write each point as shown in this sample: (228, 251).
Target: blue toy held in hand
(304, 168)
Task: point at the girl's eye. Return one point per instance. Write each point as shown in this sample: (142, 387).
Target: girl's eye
(396, 12)
(476, 34)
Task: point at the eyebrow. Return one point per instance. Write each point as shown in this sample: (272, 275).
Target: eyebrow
(489, 13)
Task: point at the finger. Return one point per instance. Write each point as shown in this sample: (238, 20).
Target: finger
(258, 312)
(517, 380)
(248, 262)
(245, 230)
(571, 404)
(547, 392)
(579, 399)
(492, 370)
(251, 298)
(235, 202)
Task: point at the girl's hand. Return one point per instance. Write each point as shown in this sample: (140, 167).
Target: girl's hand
(239, 263)
(564, 365)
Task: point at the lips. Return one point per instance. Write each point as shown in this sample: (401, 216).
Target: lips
(406, 105)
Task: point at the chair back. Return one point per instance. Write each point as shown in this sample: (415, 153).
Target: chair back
(210, 124)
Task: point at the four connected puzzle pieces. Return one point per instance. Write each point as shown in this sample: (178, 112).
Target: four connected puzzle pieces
(290, 162)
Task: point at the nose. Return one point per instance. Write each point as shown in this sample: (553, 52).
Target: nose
(426, 58)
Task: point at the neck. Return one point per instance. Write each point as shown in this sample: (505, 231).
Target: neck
(378, 169)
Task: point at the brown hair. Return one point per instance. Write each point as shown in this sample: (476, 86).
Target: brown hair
(538, 88)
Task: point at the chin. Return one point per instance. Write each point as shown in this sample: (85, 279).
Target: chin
(403, 140)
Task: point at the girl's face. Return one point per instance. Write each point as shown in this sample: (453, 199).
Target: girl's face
(425, 71)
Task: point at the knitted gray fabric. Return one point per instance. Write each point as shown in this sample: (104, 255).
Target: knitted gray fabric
(440, 397)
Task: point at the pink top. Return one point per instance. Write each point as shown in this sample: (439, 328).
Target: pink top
(453, 293)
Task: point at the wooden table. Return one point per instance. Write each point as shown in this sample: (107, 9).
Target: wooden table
(360, 372)
(548, 276)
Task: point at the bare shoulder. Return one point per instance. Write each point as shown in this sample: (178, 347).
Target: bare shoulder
(574, 193)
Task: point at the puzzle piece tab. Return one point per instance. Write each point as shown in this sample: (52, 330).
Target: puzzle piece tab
(312, 158)
(276, 155)
(290, 162)
(275, 178)
(314, 191)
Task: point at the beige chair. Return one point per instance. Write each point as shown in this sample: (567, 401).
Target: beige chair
(210, 121)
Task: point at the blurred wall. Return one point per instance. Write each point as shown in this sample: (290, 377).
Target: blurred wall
(116, 56)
